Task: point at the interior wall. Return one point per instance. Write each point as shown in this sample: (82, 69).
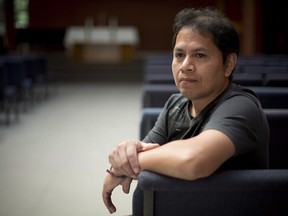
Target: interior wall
(153, 18)
(275, 27)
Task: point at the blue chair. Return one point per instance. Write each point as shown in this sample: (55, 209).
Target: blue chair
(44, 77)
(227, 192)
(155, 95)
(17, 69)
(8, 97)
(277, 79)
(248, 79)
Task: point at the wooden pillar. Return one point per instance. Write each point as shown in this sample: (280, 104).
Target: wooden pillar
(10, 31)
(248, 43)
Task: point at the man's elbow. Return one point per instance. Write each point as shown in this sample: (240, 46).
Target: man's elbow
(194, 169)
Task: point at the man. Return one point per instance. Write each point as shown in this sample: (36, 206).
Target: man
(211, 124)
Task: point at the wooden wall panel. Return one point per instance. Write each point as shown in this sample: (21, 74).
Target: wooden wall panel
(153, 18)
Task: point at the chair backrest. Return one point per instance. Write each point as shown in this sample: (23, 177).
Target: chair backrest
(2, 82)
(276, 79)
(13, 70)
(272, 97)
(158, 74)
(225, 193)
(248, 79)
(148, 119)
(155, 95)
(278, 146)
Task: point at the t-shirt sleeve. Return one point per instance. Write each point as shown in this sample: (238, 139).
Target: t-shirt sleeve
(239, 118)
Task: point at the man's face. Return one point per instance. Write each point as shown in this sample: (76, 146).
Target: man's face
(197, 66)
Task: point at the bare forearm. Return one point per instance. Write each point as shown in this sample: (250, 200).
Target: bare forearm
(171, 159)
(189, 159)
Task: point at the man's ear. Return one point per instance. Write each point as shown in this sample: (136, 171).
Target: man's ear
(230, 64)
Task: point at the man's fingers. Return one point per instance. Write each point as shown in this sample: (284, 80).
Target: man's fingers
(132, 156)
(149, 146)
(124, 157)
(133, 159)
(109, 184)
(106, 196)
(116, 159)
(126, 185)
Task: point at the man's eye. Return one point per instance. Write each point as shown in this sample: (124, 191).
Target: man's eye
(200, 55)
(179, 55)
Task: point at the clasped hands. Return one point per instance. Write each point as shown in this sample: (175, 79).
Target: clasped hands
(124, 168)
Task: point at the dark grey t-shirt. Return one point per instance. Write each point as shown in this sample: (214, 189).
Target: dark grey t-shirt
(237, 113)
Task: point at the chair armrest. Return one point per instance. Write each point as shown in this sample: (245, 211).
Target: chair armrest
(229, 180)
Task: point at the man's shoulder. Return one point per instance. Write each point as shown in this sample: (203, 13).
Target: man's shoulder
(235, 90)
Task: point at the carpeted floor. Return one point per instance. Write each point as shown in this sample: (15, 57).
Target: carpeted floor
(53, 161)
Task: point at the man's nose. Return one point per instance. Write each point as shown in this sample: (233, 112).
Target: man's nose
(187, 65)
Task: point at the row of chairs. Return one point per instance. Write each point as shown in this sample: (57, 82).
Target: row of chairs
(155, 95)
(23, 80)
(261, 71)
(272, 76)
(271, 87)
(231, 192)
(258, 59)
(165, 58)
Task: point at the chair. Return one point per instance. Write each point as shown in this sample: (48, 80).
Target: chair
(158, 78)
(277, 79)
(148, 119)
(8, 97)
(158, 74)
(230, 192)
(39, 74)
(158, 58)
(250, 68)
(45, 77)
(272, 97)
(16, 68)
(278, 148)
(248, 79)
(225, 193)
(155, 95)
